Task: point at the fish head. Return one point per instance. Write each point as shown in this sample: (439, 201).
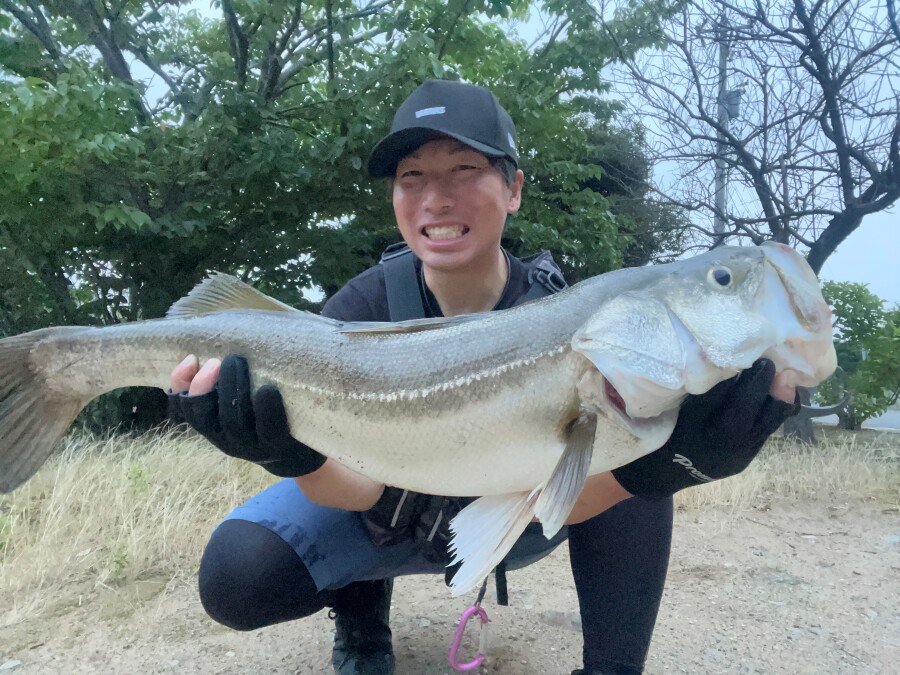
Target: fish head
(681, 328)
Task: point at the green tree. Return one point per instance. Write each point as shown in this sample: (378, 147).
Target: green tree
(246, 154)
(876, 382)
(867, 340)
(651, 230)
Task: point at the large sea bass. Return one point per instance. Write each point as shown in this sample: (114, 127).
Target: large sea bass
(517, 406)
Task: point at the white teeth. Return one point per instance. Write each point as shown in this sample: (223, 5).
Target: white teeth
(444, 232)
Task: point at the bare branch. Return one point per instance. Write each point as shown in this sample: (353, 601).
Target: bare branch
(892, 19)
(815, 143)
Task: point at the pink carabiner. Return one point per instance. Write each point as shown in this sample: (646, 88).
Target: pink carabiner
(457, 639)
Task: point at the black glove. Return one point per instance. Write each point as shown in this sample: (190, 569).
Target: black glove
(248, 427)
(717, 435)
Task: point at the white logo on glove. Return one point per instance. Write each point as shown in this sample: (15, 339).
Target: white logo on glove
(689, 465)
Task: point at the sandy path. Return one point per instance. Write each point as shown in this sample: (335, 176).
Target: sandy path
(811, 589)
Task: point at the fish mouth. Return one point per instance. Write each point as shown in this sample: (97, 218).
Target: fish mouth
(650, 432)
(640, 426)
(614, 398)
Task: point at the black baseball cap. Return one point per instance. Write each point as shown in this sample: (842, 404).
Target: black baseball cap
(467, 112)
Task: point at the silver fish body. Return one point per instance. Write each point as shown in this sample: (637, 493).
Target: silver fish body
(477, 405)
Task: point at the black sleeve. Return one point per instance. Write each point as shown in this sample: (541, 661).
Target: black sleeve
(363, 298)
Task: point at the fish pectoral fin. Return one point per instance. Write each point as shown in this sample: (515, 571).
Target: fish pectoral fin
(561, 492)
(220, 292)
(410, 326)
(484, 532)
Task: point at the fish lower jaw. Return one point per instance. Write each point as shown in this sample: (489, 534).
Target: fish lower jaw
(618, 415)
(650, 432)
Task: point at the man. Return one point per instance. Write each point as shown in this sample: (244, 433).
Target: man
(329, 537)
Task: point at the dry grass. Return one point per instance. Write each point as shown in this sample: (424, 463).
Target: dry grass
(845, 466)
(105, 513)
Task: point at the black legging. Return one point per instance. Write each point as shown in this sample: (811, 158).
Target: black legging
(619, 562)
(250, 578)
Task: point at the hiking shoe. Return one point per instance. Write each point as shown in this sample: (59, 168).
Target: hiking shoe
(362, 635)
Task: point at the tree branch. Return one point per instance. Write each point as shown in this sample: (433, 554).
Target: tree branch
(238, 44)
(320, 54)
(38, 27)
(448, 32)
(86, 18)
(892, 19)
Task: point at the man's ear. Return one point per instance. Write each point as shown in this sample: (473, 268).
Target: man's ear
(515, 193)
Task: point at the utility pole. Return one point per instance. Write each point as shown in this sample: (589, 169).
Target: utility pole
(721, 37)
(728, 104)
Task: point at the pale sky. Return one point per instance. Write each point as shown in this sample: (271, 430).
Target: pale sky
(871, 255)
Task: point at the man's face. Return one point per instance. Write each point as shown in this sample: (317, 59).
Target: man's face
(451, 204)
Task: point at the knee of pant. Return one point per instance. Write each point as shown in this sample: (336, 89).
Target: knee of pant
(250, 578)
(219, 596)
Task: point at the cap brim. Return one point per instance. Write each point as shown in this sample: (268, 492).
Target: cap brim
(394, 147)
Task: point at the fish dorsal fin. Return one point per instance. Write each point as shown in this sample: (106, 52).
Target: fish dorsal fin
(220, 292)
(410, 326)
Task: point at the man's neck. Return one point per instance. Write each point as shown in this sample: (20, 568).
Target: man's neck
(477, 288)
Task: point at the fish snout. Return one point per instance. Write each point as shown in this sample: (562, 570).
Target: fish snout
(805, 353)
(805, 360)
(801, 286)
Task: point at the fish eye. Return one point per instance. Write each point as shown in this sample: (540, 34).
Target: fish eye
(720, 276)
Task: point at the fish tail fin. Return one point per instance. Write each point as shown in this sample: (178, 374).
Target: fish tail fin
(33, 417)
(484, 532)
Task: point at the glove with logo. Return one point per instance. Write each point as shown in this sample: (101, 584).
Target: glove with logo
(717, 435)
(248, 426)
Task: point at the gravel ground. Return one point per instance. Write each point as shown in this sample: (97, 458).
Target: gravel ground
(805, 588)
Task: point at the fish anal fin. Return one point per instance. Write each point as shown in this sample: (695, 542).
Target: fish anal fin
(221, 292)
(484, 532)
(561, 491)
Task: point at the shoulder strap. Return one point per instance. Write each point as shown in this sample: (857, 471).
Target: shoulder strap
(544, 277)
(402, 283)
